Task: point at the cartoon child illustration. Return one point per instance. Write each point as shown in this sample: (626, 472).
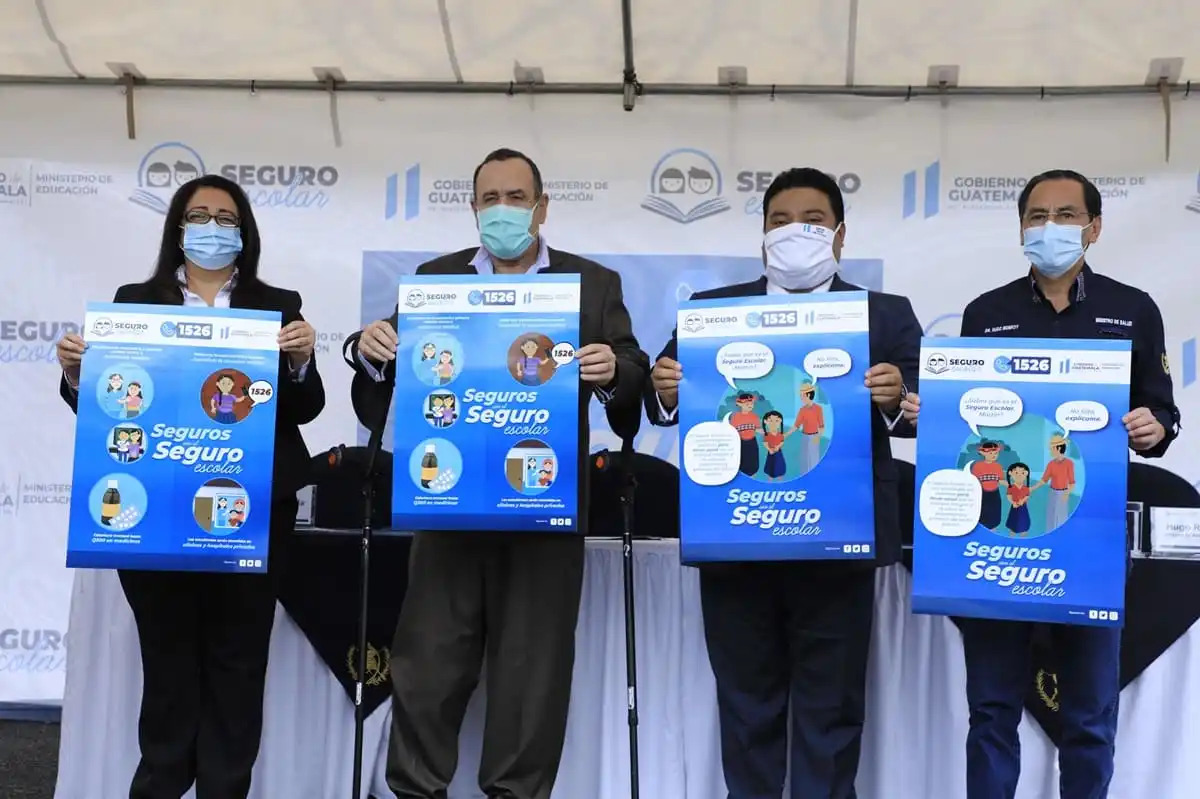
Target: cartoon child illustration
(237, 517)
(700, 180)
(448, 412)
(444, 368)
(123, 446)
(773, 437)
(670, 181)
(158, 175)
(185, 171)
(435, 411)
(1018, 499)
(990, 475)
(132, 401)
(428, 351)
(221, 515)
(529, 363)
(748, 426)
(810, 421)
(135, 445)
(545, 476)
(220, 405)
(1060, 474)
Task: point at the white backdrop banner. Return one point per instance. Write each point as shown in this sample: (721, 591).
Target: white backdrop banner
(669, 195)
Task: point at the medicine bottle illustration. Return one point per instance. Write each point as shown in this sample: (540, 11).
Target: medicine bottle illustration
(429, 466)
(110, 503)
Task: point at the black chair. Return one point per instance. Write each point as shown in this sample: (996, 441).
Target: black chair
(655, 503)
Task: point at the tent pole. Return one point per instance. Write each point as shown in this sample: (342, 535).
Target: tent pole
(662, 89)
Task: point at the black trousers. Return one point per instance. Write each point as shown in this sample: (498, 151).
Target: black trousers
(513, 598)
(204, 641)
(789, 636)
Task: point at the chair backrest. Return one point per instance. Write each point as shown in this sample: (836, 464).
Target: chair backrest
(655, 503)
(1156, 487)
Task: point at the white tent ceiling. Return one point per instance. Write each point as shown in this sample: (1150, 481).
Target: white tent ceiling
(675, 43)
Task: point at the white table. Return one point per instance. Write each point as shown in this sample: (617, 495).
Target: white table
(913, 748)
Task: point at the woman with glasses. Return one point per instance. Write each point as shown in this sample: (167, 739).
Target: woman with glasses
(204, 637)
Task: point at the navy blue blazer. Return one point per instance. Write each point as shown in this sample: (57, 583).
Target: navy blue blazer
(895, 339)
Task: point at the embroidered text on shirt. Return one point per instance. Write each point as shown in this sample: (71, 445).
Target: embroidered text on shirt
(1104, 320)
(1001, 329)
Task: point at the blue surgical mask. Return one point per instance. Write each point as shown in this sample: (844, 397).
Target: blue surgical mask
(1053, 249)
(210, 246)
(504, 230)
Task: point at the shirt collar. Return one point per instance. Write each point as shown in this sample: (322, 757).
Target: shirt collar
(1078, 292)
(230, 285)
(482, 261)
(818, 289)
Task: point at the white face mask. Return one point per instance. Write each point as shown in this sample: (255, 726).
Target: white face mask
(799, 256)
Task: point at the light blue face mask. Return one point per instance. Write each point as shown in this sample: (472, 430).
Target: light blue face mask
(504, 230)
(1053, 249)
(211, 246)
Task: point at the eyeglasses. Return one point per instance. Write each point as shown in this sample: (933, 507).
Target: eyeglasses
(199, 216)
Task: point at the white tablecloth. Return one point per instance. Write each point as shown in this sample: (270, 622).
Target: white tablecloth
(913, 748)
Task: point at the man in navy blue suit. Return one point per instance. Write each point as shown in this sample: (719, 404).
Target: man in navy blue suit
(797, 634)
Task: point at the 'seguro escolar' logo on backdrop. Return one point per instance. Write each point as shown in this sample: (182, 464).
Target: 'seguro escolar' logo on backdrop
(685, 186)
(290, 186)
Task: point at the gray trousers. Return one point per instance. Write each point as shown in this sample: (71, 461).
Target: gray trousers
(514, 599)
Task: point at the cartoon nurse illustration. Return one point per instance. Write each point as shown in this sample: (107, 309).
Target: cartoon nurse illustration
(221, 515)
(1060, 474)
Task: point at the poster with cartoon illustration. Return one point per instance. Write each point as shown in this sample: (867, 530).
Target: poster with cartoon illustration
(487, 403)
(174, 439)
(1021, 476)
(775, 428)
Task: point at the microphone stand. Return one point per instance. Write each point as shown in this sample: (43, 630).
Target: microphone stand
(628, 489)
(374, 445)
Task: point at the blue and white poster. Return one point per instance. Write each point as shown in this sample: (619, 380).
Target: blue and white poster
(1021, 471)
(174, 439)
(776, 430)
(486, 405)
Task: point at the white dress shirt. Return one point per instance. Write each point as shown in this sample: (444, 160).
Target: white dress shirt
(669, 416)
(482, 261)
(222, 300)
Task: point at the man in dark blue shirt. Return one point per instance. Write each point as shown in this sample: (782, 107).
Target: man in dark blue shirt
(1061, 297)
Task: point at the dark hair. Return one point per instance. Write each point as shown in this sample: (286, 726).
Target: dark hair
(1091, 194)
(746, 395)
(1017, 465)
(170, 256)
(806, 178)
(773, 415)
(506, 154)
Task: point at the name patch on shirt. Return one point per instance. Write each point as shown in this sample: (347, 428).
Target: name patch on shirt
(1000, 329)
(1104, 320)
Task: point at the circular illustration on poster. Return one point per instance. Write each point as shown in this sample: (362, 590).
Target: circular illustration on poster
(126, 443)
(531, 467)
(125, 391)
(435, 465)
(437, 358)
(531, 359)
(226, 396)
(117, 501)
(1032, 476)
(221, 506)
(784, 422)
(440, 408)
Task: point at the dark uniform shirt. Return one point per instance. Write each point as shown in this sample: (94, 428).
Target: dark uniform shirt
(1100, 308)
